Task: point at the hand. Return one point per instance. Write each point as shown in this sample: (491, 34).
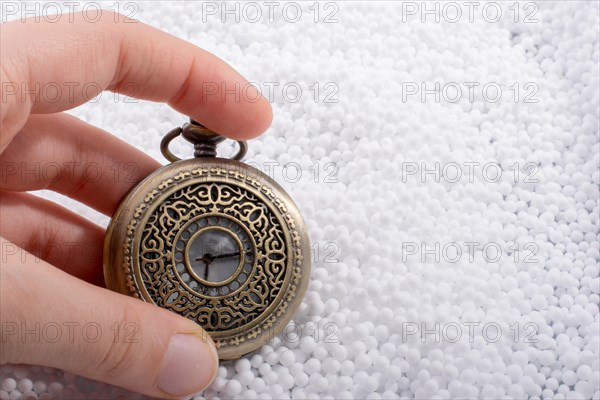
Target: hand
(169, 356)
(208, 258)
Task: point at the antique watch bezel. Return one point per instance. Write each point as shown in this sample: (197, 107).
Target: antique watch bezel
(123, 263)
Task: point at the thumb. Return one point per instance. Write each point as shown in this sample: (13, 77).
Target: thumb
(50, 318)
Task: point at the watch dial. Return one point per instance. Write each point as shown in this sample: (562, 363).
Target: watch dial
(214, 255)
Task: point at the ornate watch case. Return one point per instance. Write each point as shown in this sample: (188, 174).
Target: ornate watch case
(213, 240)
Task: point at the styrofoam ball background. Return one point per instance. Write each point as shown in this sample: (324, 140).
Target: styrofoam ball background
(448, 172)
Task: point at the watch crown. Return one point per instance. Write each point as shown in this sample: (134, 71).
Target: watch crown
(205, 141)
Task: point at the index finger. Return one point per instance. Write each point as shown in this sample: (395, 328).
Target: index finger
(111, 54)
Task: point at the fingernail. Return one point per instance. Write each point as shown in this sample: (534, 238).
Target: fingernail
(189, 365)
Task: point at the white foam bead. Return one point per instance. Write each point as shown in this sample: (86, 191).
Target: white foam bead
(25, 385)
(286, 380)
(370, 384)
(271, 358)
(276, 391)
(363, 361)
(21, 371)
(312, 366)
(245, 377)
(318, 382)
(313, 125)
(232, 388)
(29, 395)
(256, 360)
(547, 394)
(301, 379)
(345, 395)
(287, 358)
(39, 386)
(569, 377)
(258, 385)
(9, 384)
(270, 378)
(321, 353)
(330, 365)
(572, 395)
(308, 344)
(584, 372)
(219, 383)
(569, 359)
(373, 396)
(15, 395)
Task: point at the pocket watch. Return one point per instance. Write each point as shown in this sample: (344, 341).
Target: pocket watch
(214, 240)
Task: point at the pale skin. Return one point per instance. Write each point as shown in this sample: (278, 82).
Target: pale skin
(63, 284)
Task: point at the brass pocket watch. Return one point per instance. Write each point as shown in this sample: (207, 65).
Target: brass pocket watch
(213, 240)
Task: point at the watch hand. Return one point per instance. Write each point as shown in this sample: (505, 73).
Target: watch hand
(206, 259)
(228, 255)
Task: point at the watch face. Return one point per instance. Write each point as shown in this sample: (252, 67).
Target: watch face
(214, 255)
(217, 242)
